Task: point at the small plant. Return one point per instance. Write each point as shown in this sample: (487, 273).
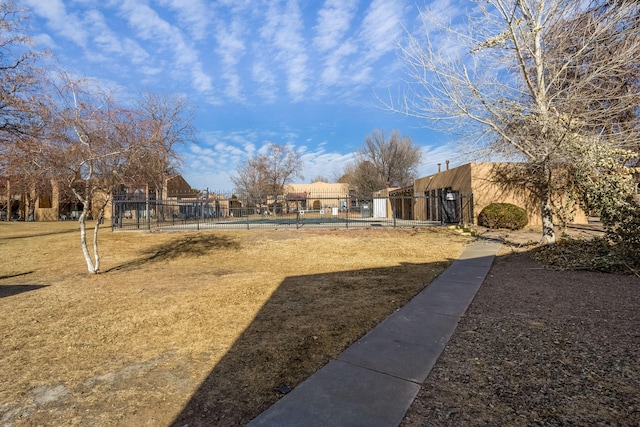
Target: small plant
(503, 215)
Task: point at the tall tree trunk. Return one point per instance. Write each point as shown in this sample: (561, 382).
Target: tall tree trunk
(83, 238)
(96, 254)
(546, 210)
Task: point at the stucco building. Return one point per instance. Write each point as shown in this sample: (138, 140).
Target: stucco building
(459, 194)
(317, 196)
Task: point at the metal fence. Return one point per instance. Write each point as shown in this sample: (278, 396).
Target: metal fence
(217, 211)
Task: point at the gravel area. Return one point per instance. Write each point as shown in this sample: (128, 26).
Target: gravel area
(539, 347)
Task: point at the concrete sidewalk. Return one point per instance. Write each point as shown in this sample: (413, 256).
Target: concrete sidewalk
(373, 382)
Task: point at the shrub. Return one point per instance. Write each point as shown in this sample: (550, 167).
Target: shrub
(503, 215)
(622, 229)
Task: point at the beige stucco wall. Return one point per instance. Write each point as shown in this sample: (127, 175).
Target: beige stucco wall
(457, 179)
(51, 213)
(486, 191)
(328, 195)
(477, 178)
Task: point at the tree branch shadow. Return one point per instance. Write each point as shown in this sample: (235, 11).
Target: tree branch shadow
(191, 246)
(10, 276)
(50, 233)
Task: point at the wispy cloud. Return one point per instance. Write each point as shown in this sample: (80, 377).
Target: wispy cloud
(231, 48)
(335, 70)
(282, 31)
(69, 25)
(319, 162)
(353, 47)
(447, 11)
(151, 27)
(432, 155)
(334, 21)
(45, 40)
(110, 43)
(193, 15)
(436, 20)
(331, 40)
(381, 28)
(266, 81)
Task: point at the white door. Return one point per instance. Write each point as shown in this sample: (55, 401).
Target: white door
(379, 208)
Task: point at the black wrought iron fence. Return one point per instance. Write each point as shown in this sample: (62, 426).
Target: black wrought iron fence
(330, 210)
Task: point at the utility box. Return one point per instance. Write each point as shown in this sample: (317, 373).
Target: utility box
(366, 211)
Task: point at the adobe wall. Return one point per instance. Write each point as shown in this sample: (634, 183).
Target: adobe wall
(327, 195)
(457, 179)
(487, 190)
(478, 179)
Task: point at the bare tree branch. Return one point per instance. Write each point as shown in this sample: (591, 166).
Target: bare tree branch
(539, 81)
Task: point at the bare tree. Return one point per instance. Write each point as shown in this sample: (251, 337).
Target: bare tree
(266, 174)
(96, 146)
(26, 164)
(281, 164)
(167, 122)
(383, 162)
(19, 76)
(251, 181)
(83, 147)
(363, 178)
(531, 80)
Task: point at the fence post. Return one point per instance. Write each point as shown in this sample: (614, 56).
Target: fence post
(393, 211)
(148, 213)
(348, 209)
(198, 213)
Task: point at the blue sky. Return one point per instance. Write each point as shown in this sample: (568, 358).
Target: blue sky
(305, 73)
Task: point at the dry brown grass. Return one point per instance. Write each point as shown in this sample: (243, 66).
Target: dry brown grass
(195, 327)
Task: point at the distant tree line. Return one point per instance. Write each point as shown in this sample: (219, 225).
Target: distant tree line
(380, 163)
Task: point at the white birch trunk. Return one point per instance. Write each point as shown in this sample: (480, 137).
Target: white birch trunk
(83, 239)
(96, 254)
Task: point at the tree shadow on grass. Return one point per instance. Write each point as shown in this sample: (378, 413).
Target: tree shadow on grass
(10, 290)
(10, 276)
(48, 233)
(192, 246)
(305, 323)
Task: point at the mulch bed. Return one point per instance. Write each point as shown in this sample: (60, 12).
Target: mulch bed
(539, 347)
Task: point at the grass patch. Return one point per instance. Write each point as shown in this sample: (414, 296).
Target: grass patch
(201, 327)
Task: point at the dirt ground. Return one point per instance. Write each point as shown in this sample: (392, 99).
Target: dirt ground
(539, 347)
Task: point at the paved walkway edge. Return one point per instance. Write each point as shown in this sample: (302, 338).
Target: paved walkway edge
(373, 382)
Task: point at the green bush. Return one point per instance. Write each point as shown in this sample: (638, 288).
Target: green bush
(503, 215)
(622, 229)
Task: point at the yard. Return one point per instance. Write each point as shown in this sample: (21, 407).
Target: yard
(191, 325)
